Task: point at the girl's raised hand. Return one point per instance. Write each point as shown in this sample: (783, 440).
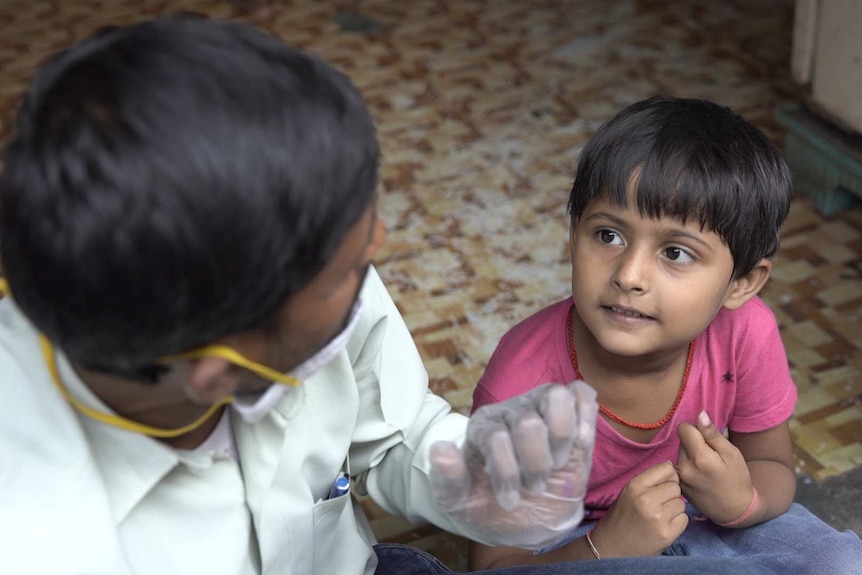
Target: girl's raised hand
(712, 471)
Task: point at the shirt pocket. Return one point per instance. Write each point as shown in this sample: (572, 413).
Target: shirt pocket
(340, 539)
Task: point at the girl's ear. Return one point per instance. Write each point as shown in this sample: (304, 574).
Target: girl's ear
(746, 287)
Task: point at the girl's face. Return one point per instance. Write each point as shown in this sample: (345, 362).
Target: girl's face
(645, 287)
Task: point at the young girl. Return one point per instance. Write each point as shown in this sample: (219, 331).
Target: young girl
(675, 213)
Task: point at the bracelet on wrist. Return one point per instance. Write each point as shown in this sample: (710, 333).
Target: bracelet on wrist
(595, 551)
(745, 514)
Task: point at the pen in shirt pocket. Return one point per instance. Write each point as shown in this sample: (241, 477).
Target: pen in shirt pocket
(341, 486)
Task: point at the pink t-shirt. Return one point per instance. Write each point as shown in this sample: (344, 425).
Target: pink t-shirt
(739, 375)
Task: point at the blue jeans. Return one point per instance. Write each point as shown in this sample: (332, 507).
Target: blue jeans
(402, 560)
(795, 543)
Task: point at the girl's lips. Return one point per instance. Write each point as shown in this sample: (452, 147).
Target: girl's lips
(627, 315)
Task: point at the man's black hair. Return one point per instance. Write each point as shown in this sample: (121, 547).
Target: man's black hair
(694, 160)
(175, 181)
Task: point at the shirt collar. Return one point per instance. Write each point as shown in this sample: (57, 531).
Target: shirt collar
(129, 463)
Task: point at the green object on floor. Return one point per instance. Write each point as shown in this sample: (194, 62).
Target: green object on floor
(826, 162)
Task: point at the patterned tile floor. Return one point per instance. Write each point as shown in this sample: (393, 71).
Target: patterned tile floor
(483, 106)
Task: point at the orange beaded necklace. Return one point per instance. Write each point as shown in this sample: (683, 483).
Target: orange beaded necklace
(610, 414)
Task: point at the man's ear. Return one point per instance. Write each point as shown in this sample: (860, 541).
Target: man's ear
(211, 379)
(746, 287)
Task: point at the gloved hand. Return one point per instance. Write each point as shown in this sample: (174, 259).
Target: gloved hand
(521, 476)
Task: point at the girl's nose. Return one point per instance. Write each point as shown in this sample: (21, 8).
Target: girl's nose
(632, 272)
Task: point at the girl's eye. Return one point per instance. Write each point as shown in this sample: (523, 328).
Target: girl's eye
(678, 255)
(610, 237)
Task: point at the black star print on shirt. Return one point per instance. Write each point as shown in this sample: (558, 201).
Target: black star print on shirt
(727, 377)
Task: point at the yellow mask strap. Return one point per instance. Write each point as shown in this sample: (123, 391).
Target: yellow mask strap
(121, 422)
(118, 420)
(236, 358)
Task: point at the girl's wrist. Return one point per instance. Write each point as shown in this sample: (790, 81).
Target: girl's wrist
(591, 544)
(752, 507)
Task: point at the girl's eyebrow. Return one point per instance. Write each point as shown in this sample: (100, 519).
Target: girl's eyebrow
(675, 233)
(616, 220)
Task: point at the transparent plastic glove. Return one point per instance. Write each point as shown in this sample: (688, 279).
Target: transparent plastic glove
(521, 476)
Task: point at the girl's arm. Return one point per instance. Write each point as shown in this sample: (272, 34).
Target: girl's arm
(769, 458)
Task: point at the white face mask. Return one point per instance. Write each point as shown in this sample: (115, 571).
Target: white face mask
(254, 410)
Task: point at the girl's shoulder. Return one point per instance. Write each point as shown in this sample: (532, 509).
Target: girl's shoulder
(531, 353)
(544, 323)
(753, 321)
(539, 335)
